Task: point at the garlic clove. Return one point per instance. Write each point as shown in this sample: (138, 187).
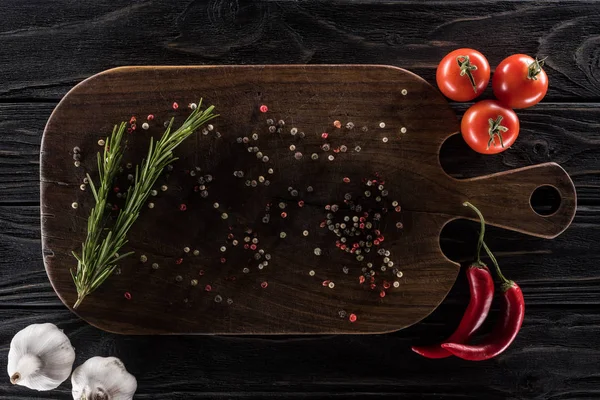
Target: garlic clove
(103, 378)
(40, 357)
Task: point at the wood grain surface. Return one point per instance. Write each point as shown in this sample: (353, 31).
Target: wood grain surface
(309, 98)
(49, 46)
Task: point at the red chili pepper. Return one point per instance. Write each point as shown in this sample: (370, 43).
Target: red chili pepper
(481, 285)
(513, 312)
(507, 328)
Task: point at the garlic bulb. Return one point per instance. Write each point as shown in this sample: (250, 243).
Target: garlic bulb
(103, 378)
(40, 357)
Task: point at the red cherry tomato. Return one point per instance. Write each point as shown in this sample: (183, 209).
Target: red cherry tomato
(463, 74)
(519, 81)
(488, 127)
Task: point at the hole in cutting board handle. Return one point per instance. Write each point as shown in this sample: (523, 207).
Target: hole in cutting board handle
(545, 200)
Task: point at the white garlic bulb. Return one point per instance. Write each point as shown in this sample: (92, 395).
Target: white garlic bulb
(41, 357)
(103, 378)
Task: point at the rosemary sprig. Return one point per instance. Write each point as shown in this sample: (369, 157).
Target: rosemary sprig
(99, 255)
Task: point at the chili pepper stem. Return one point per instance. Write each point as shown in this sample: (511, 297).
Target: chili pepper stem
(481, 232)
(505, 282)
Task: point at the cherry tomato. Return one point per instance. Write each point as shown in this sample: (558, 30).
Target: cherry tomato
(519, 81)
(489, 127)
(463, 74)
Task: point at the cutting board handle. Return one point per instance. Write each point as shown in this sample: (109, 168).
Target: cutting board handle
(505, 199)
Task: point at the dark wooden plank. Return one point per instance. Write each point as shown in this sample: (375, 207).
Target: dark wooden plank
(550, 132)
(21, 128)
(537, 263)
(81, 41)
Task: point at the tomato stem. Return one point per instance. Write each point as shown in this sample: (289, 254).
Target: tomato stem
(495, 130)
(464, 63)
(535, 68)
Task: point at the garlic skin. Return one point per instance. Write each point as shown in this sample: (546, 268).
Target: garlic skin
(103, 378)
(40, 357)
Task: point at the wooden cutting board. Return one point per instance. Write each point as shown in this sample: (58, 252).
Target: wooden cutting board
(392, 125)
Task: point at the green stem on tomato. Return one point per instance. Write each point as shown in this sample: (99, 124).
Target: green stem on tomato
(464, 63)
(535, 68)
(495, 130)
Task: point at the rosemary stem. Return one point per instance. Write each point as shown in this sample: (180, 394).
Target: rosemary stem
(99, 255)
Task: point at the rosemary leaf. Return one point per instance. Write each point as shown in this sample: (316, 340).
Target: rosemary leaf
(99, 255)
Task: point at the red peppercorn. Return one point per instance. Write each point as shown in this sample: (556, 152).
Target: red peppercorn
(132, 120)
(343, 247)
(376, 242)
(336, 150)
(301, 203)
(386, 285)
(283, 214)
(373, 286)
(116, 189)
(150, 117)
(252, 247)
(223, 260)
(264, 284)
(201, 272)
(246, 246)
(182, 207)
(352, 318)
(175, 106)
(324, 135)
(133, 127)
(361, 279)
(127, 295)
(196, 188)
(129, 130)
(382, 294)
(179, 261)
(346, 180)
(325, 283)
(208, 288)
(263, 108)
(230, 236)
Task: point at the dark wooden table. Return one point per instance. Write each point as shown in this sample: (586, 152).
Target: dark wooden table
(47, 46)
